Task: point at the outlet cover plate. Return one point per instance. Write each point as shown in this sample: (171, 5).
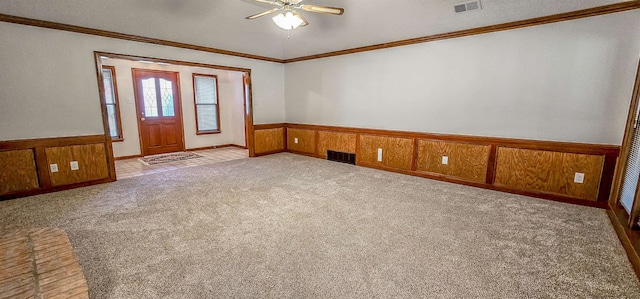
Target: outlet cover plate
(578, 178)
(74, 165)
(295, 140)
(53, 167)
(445, 160)
(379, 155)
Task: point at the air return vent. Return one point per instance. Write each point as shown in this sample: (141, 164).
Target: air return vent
(467, 6)
(341, 157)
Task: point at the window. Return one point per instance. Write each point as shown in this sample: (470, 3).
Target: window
(206, 98)
(111, 101)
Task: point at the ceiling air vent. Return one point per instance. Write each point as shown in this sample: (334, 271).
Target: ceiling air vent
(467, 6)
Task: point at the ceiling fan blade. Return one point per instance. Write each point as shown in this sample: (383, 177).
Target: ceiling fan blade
(294, 2)
(264, 13)
(272, 2)
(304, 21)
(322, 9)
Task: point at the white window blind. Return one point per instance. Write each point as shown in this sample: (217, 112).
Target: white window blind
(206, 98)
(112, 103)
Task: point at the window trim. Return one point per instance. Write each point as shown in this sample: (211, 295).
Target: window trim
(195, 104)
(116, 103)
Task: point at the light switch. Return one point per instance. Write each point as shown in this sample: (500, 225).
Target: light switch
(578, 178)
(379, 155)
(53, 167)
(445, 160)
(74, 165)
(295, 140)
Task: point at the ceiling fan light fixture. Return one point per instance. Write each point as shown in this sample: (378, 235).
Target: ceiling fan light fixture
(288, 20)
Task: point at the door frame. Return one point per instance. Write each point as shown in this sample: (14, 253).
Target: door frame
(248, 99)
(625, 224)
(178, 99)
(620, 172)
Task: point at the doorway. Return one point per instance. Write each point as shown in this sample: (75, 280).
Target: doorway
(130, 145)
(625, 200)
(158, 107)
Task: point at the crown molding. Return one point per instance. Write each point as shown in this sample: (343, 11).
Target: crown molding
(578, 14)
(129, 37)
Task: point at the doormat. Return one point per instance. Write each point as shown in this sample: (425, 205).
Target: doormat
(166, 158)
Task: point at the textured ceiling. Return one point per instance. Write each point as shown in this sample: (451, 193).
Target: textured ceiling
(221, 24)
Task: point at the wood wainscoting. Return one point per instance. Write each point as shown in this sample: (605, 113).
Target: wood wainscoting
(26, 171)
(551, 172)
(335, 141)
(543, 169)
(464, 161)
(269, 139)
(397, 152)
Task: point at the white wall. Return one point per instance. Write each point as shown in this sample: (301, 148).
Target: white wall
(48, 84)
(230, 103)
(567, 81)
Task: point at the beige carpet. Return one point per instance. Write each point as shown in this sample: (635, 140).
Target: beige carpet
(288, 226)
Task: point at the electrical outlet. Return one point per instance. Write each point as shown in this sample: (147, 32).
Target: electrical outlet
(578, 178)
(74, 165)
(445, 160)
(295, 140)
(53, 167)
(379, 155)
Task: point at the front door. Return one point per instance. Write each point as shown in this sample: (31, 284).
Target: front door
(159, 114)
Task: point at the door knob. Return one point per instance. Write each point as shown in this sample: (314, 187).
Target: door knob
(142, 118)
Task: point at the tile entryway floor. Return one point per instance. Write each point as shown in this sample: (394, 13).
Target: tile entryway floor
(133, 167)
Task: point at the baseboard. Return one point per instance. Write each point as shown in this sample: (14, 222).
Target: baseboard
(304, 154)
(127, 157)
(188, 150)
(630, 239)
(269, 153)
(214, 147)
(530, 193)
(517, 166)
(54, 189)
(541, 195)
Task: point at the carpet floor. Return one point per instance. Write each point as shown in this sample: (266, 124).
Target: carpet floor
(297, 227)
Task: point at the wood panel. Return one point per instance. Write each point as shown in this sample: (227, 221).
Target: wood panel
(396, 152)
(18, 171)
(269, 140)
(568, 147)
(336, 141)
(99, 167)
(551, 172)
(306, 141)
(465, 161)
(402, 154)
(369, 145)
(91, 160)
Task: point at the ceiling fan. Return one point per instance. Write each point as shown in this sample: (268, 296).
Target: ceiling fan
(290, 18)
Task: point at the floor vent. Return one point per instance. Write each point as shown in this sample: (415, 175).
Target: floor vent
(341, 157)
(467, 6)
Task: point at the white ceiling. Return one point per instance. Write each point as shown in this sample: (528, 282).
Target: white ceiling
(221, 24)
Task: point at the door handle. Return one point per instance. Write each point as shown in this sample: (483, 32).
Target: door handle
(142, 118)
